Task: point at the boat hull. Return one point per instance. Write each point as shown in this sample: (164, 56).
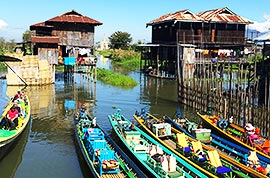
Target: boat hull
(8, 145)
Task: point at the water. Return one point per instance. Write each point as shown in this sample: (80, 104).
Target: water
(47, 147)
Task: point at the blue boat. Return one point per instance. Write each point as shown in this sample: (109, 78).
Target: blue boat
(103, 156)
(154, 157)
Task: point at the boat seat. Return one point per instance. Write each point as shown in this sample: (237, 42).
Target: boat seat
(198, 151)
(107, 162)
(139, 147)
(216, 163)
(159, 150)
(152, 150)
(172, 163)
(93, 134)
(164, 163)
(182, 142)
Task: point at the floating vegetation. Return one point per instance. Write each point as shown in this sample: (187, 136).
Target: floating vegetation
(115, 79)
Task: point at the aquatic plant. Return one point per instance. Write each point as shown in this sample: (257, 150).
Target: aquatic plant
(115, 79)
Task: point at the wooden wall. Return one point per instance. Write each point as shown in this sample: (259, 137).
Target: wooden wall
(234, 93)
(199, 33)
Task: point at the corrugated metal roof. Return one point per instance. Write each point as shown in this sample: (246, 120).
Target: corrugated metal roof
(223, 15)
(45, 39)
(74, 17)
(41, 24)
(182, 15)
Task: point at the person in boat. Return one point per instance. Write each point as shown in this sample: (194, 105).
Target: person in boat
(250, 132)
(4, 123)
(18, 95)
(132, 126)
(82, 113)
(12, 117)
(17, 106)
(200, 126)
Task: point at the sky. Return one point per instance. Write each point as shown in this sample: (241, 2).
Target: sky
(16, 16)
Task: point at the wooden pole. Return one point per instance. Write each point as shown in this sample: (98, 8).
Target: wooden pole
(16, 74)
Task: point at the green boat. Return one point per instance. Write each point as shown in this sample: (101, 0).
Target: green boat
(156, 159)
(101, 154)
(10, 136)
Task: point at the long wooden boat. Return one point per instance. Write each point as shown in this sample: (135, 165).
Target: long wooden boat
(9, 138)
(227, 149)
(103, 156)
(184, 147)
(153, 156)
(236, 134)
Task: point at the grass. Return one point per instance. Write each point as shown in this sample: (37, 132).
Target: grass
(132, 64)
(115, 79)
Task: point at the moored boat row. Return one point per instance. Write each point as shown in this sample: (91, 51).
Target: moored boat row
(167, 148)
(237, 155)
(156, 158)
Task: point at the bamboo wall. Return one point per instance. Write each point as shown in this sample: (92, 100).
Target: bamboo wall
(31, 70)
(228, 96)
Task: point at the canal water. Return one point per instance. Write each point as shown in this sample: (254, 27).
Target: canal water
(47, 149)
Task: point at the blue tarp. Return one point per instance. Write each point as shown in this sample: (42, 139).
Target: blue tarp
(69, 104)
(69, 61)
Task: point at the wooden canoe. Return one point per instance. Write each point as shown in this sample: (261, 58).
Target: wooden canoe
(124, 167)
(229, 151)
(141, 145)
(9, 138)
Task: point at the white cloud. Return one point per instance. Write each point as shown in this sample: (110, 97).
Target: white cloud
(261, 26)
(3, 24)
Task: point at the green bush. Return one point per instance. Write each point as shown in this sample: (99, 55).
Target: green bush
(126, 58)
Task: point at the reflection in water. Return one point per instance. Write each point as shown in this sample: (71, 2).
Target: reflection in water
(10, 163)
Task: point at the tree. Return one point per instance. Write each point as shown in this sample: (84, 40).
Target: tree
(27, 36)
(120, 40)
(2, 45)
(26, 39)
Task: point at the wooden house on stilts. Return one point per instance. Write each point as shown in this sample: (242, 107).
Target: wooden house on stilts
(60, 40)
